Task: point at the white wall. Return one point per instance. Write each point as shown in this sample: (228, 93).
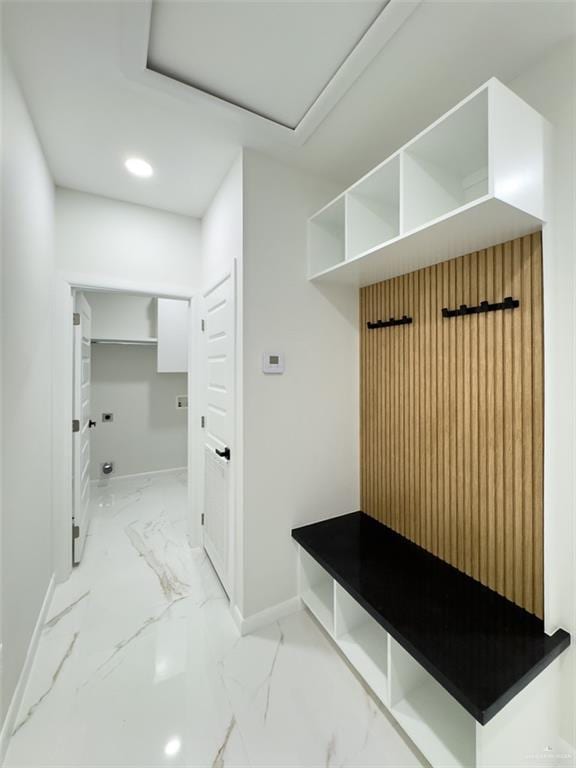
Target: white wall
(221, 253)
(301, 429)
(97, 236)
(148, 432)
(27, 270)
(222, 228)
(549, 87)
(122, 316)
(297, 434)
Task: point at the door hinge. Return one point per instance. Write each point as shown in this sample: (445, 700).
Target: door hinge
(76, 318)
(75, 531)
(75, 425)
(202, 519)
(203, 421)
(203, 325)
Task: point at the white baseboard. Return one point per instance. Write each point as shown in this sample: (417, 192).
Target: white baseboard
(12, 711)
(269, 615)
(111, 478)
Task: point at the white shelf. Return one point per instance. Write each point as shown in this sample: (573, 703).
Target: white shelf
(363, 641)
(319, 600)
(135, 342)
(366, 649)
(373, 209)
(326, 237)
(480, 224)
(317, 590)
(447, 166)
(435, 722)
(441, 734)
(473, 179)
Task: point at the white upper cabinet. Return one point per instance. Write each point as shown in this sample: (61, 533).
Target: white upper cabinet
(517, 151)
(173, 330)
(473, 179)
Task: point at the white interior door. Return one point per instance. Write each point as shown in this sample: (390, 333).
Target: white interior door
(82, 424)
(219, 350)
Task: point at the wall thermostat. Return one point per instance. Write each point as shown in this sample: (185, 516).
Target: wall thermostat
(272, 362)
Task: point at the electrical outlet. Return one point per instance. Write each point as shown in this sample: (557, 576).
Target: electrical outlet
(182, 401)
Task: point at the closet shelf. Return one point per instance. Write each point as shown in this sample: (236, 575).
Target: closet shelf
(126, 342)
(469, 181)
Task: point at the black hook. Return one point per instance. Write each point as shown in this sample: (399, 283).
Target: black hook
(484, 306)
(404, 320)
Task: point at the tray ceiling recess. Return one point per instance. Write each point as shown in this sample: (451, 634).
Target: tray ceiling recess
(278, 65)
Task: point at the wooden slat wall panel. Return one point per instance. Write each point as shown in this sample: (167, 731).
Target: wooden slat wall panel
(452, 416)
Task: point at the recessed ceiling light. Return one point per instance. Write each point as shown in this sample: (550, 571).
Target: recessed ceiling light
(139, 167)
(172, 747)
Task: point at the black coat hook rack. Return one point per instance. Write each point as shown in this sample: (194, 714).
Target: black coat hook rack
(404, 320)
(484, 306)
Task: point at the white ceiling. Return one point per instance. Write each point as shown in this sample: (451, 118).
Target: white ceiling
(70, 58)
(278, 57)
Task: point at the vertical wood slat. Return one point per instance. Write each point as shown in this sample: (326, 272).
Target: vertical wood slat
(536, 567)
(481, 395)
(526, 542)
(516, 549)
(505, 548)
(446, 550)
(452, 416)
(490, 456)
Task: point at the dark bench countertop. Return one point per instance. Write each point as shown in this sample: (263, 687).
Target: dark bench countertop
(479, 646)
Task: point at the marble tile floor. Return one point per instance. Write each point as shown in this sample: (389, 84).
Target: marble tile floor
(140, 663)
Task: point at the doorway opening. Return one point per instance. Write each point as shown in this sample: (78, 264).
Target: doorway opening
(130, 397)
(148, 381)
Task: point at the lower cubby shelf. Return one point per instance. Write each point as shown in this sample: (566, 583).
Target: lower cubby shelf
(363, 641)
(319, 599)
(457, 685)
(317, 591)
(435, 722)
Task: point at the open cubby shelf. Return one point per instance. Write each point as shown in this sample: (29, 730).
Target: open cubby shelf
(435, 722)
(447, 166)
(317, 591)
(326, 235)
(373, 209)
(466, 183)
(443, 653)
(363, 641)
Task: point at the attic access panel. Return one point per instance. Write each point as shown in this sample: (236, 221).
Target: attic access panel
(273, 59)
